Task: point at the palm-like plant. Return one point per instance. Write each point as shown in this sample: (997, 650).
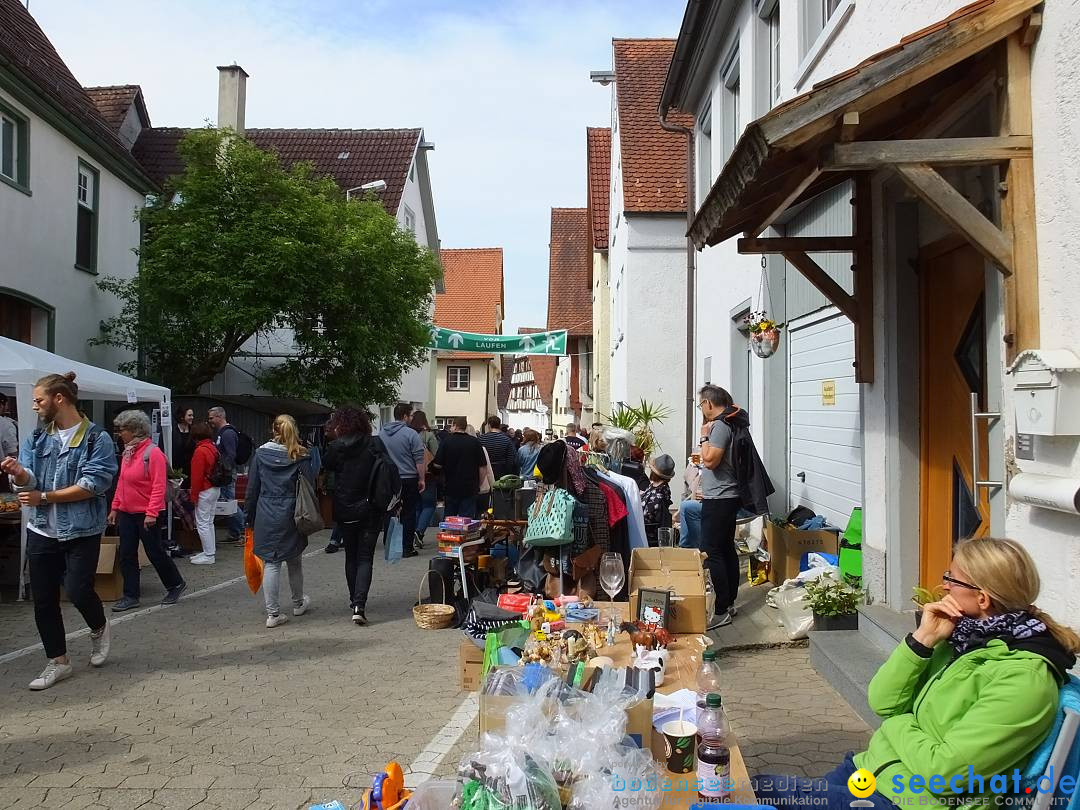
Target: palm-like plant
(640, 421)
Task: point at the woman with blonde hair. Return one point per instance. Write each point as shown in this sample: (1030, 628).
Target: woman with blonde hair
(967, 697)
(269, 508)
(531, 442)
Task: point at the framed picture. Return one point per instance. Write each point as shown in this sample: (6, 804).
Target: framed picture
(653, 607)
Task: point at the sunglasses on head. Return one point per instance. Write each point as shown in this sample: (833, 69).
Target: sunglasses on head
(946, 577)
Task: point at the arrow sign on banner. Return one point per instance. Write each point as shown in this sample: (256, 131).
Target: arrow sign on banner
(553, 342)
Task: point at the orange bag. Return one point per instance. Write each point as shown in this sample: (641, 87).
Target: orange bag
(253, 566)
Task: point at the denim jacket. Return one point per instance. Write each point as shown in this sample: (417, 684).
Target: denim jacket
(89, 462)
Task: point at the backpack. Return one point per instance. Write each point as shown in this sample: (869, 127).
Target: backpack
(244, 446)
(220, 473)
(385, 489)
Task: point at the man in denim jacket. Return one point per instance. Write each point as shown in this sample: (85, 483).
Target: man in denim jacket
(63, 474)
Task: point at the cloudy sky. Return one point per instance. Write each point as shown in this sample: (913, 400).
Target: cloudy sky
(502, 88)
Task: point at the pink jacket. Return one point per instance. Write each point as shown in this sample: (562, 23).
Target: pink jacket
(141, 487)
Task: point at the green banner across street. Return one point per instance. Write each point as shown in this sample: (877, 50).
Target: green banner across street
(536, 343)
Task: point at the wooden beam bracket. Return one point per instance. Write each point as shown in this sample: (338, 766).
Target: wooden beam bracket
(825, 283)
(800, 244)
(870, 155)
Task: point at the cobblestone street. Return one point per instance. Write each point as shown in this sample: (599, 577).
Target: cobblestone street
(201, 706)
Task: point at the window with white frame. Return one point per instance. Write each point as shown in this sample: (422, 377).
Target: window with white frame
(729, 114)
(410, 220)
(13, 148)
(458, 378)
(704, 151)
(817, 14)
(86, 226)
(773, 22)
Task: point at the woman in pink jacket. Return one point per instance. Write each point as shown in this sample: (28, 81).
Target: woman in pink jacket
(139, 499)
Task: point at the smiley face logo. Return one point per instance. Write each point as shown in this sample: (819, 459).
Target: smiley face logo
(862, 783)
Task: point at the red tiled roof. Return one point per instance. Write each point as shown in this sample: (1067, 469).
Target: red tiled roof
(543, 369)
(114, 102)
(25, 50)
(473, 300)
(653, 159)
(352, 157)
(598, 149)
(569, 271)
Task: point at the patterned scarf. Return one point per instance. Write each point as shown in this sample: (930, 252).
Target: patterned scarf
(970, 633)
(131, 447)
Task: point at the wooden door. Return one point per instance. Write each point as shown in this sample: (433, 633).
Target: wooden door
(952, 290)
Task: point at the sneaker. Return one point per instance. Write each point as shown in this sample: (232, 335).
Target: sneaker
(358, 616)
(99, 646)
(723, 620)
(172, 596)
(733, 611)
(276, 619)
(177, 553)
(301, 609)
(52, 673)
(234, 539)
(332, 547)
(201, 559)
(125, 603)
(411, 553)
(418, 540)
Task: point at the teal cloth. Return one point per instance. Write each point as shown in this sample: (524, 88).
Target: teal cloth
(1069, 698)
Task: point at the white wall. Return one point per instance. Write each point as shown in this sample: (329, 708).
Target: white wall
(601, 346)
(477, 403)
(37, 241)
(618, 239)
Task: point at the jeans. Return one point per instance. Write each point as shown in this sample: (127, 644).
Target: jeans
(410, 499)
(271, 584)
(360, 543)
(204, 520)
(132, 530)
(72, 564)
(690, 523)
(425, 511)
(718, 543)
(461, 507)
(234, 522)
(828, 792)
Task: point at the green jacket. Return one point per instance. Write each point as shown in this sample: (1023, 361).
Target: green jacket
(988, 708)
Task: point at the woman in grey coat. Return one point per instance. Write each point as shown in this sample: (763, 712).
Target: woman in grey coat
(269, 508)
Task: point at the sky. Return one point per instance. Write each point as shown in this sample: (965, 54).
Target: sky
(501, 88)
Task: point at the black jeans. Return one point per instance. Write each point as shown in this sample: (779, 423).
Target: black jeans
(132, 531)
(71, 563)
(410, 499)
(360, 542)
(718, 543)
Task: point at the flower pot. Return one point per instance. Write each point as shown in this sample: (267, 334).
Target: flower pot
(846, 621)
(765, 344)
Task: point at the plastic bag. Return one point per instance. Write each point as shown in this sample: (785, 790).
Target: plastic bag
(394, 540)
(253, 566)
(435, 795)
(795, 613)
(507, 777)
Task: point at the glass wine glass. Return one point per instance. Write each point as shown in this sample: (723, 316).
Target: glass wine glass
(612, 577)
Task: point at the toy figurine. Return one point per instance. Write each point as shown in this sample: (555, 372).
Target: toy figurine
(648, 636)
(612, 631)
(387, 790)
(577, 648)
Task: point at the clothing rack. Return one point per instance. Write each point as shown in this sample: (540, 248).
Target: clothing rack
(591, 458)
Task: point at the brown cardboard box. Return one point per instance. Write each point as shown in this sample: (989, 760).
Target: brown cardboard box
(108, 583)
(678, 570)
(787, 545)
(470, 662)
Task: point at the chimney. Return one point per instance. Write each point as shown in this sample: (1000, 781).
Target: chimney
(232, 97)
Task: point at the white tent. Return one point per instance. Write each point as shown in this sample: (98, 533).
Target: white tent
(21, 365)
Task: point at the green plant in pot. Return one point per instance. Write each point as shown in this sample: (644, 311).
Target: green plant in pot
(834, 603)
(923, 596)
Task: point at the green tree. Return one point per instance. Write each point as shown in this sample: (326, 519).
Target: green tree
(238, 247)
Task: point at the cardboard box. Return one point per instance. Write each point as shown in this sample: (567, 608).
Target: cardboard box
(787, 545)
(108, 583)
(678, 570)
(470, 662)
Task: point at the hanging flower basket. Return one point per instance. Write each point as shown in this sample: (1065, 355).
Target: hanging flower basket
(764, 334)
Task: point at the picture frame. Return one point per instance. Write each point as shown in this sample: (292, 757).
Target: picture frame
(654, 607)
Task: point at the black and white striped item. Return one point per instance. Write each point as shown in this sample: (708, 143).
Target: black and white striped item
(484, 618)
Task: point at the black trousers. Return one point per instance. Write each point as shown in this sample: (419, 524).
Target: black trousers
(718, 543)
(132, 532)
(410, 499)
(360, 543)
(71, 563)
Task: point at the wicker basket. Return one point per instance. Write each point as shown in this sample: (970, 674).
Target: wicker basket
(432, 616)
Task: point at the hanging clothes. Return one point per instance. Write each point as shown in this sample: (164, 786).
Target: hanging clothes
(636, 520)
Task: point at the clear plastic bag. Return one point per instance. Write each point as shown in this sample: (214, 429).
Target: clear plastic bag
(435, 795)
(506, 776)
(795, 613)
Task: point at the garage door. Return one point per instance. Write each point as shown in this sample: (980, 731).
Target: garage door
(824, 417)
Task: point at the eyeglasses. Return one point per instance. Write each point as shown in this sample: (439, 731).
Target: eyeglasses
(959, 582)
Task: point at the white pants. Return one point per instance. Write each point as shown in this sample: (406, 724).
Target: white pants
(204, 520)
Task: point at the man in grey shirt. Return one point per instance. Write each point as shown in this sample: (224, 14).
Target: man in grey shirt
(721, 502)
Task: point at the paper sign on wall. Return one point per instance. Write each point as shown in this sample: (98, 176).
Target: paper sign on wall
(132, 397)
(828, 392)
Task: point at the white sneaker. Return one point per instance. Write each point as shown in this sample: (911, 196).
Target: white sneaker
(276, 619)
(305, 603)
(99, 653)
(52, 673)
(201, 559)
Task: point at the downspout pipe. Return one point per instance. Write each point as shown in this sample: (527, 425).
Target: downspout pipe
(691, 356)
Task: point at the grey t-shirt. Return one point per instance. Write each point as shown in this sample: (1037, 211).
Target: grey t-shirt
(720, 482)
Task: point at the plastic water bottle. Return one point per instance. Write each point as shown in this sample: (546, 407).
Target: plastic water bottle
(713, 755)
(708, 678)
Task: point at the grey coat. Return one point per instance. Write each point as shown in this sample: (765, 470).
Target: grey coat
(271, 501)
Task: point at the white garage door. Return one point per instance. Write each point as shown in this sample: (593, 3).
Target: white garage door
(824, 419)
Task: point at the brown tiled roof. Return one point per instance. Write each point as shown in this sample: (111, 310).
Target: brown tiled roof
(598, 149)
(473, 301)
(352, 157)
(543, 368)
(26, 51)
(569, 271)
(114, 102)
(506, 374)
(653, 159)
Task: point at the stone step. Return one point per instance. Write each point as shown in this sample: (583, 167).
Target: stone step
(884, 626)
(847, 659)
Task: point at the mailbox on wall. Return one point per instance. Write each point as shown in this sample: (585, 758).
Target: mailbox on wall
(1046, 388)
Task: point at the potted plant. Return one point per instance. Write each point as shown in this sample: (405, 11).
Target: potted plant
(764, 334)
(834, 603)
(924, 596)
